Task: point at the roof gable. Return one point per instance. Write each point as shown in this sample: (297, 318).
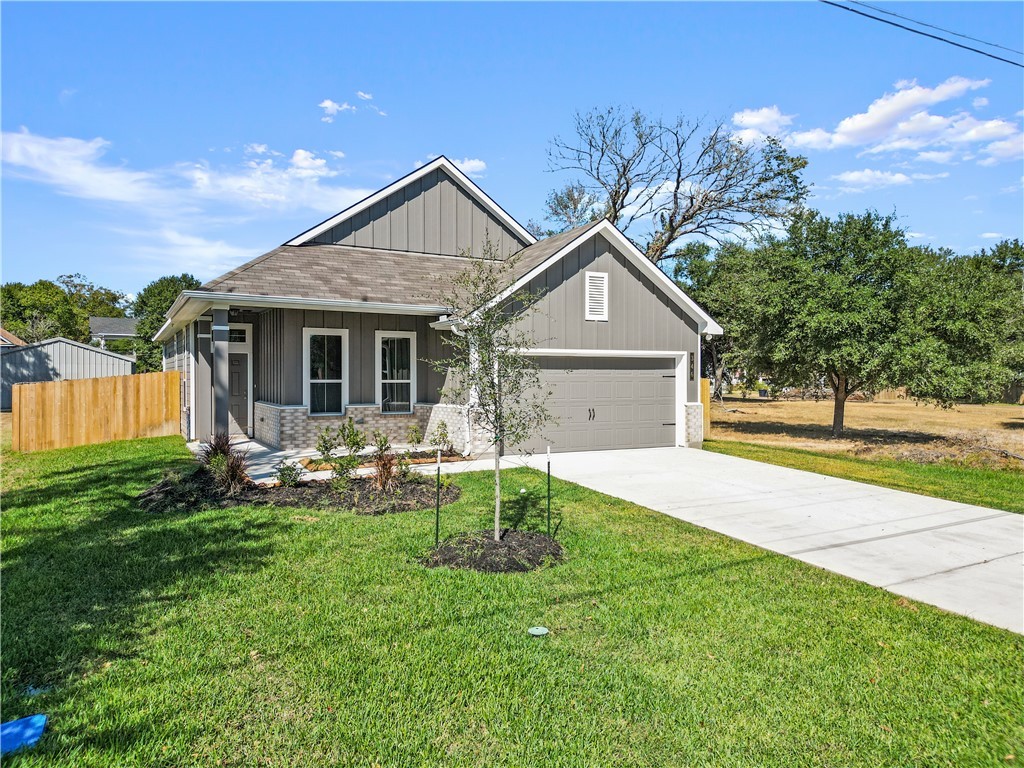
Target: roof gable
(538, 259)
(369, 223)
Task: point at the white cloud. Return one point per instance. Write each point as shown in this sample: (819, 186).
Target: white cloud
(935, 156)
(179, 251)
(755, 125)
(332, 108)
(256, 149)
(336, 153)
(929, 176)
(861, 181)
(73, 166)
(917, 235)
(472, 167)
(979, 102)
(900, 121)
(378, 110)
(364, 95)
(990, 235)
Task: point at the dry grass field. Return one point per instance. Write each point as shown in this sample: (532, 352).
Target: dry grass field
(981, 435)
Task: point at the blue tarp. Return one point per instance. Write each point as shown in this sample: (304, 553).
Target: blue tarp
(21, 733)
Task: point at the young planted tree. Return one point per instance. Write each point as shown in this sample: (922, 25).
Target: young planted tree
(662, 180)
(486, 368)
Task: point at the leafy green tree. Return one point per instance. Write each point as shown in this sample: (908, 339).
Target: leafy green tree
(40, 311)
(847, 301)
(716, 280)
(662, 180)
(150, 307)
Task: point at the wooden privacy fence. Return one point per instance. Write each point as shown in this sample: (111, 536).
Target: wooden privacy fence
(59, 414)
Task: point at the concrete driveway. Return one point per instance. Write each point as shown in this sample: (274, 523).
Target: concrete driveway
(959, 557)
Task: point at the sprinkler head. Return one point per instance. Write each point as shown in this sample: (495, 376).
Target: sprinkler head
(538, 631)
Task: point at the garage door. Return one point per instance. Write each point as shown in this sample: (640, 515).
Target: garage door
(603, 404)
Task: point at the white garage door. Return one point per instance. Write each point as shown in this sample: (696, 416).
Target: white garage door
(607, 403)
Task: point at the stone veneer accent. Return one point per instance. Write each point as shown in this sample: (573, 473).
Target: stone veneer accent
(291, 427)
(693, 432)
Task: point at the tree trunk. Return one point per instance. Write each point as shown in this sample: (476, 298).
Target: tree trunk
(497, 492)
(839, 410)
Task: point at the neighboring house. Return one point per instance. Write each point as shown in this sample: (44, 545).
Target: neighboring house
(104, 329)
(55, 360)
(8, 339)
(340, 322)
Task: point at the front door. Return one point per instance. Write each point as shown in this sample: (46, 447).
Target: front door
(238, 394)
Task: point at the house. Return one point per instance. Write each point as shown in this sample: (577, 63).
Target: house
(57, 359)
(340, 320)
(8, 339)
(104, 329)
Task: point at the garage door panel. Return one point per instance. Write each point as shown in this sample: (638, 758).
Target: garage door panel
(607, 403)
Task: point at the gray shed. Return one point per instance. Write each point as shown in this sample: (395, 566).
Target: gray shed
(55, 360)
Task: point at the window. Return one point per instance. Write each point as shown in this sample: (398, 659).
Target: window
(236, 335)
(596, 300)
(396, 371)
(326, 366)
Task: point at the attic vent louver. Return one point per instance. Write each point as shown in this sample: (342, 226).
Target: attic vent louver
(597, 296)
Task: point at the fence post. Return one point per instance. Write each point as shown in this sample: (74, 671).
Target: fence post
(705, 400)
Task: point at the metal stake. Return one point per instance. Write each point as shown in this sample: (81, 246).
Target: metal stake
(437, 508)
(549, 491)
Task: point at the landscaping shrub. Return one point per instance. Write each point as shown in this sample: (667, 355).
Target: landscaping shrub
(327, 442)
(288, 475)
(350, 436)
(385, 462)
(414, 435)
(219, 445)
(441, 438)
(230, 471)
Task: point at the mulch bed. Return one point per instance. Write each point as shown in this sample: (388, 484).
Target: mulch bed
(517, 551)
(195, 489)
(413, 457)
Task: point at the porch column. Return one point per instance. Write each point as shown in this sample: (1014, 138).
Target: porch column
(220, 371)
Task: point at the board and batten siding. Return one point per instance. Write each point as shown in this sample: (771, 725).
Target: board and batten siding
(57, 360)
(432, 214)
(640, 315)
(278, 365)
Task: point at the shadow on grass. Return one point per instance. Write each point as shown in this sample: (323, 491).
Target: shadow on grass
(821, 431)
(1013, 424)
(83, 566)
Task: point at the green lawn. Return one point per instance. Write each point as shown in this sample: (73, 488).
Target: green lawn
(999, 489)
(250, 637)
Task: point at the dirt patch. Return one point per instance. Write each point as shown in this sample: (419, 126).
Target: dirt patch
(194, 490)
(970, 435)
(517, 551)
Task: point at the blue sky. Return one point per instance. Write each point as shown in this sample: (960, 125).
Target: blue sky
(145, 139)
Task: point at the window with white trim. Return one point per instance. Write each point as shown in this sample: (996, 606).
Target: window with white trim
(396, 371)
(324, 358)
(596, 298)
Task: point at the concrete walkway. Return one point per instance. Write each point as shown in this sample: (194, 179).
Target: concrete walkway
(959, 557)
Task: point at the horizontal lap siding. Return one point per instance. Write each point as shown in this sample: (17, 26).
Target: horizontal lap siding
(430, 215)
(279, 354)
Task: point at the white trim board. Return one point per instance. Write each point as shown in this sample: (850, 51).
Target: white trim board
(377, 381)
(441, 162)
(306, 333)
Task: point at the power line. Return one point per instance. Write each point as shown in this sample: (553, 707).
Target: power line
(923, 34)
(932, 26)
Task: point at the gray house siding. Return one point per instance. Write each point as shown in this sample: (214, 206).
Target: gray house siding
(176, 355)
(278, 365)
(430, 215)
(640, 315)
(57, 360)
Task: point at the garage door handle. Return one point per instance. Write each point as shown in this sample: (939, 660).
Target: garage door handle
(591, 415)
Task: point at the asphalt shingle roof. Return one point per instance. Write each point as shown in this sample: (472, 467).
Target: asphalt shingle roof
(112, 326)
(351, 273)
